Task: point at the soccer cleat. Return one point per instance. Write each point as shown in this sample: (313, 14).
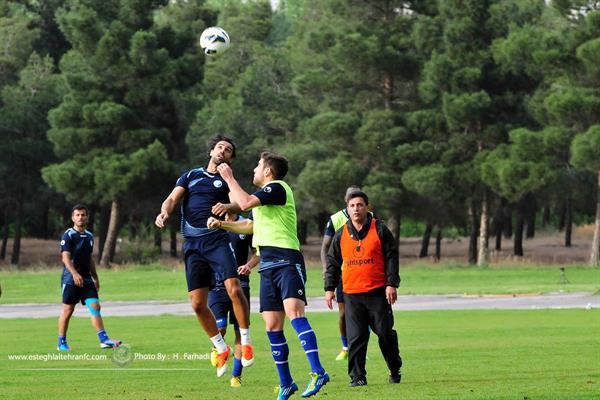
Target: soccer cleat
(213, 357)
(235, 382)
(63, 347)
(222, 362)
(395, 378)
(286, 391)
(316, 382)
(342, 356)
(110, 343)
(247, 355)
(358, 382)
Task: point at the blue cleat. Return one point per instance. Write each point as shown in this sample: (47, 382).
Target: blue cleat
(110, 343)
(286, 391)
(317, 381)
(63, 347)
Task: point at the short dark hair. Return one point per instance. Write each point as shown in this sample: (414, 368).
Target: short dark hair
(220, 138)
(350, 190)
(80, 207)
(277, 163)
(358, 193)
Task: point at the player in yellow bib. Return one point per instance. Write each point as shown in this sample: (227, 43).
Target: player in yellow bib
(282, 270)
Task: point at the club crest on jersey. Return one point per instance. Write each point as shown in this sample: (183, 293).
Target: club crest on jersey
(218, 183)
(268, 189)
(62, 242)
(242, 237)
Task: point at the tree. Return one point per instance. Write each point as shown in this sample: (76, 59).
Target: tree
(128, 74)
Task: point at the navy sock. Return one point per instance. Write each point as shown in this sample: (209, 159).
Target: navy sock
(308, 339)
(344, 342)
(237, 367)
(102, 335)
(280, 352)
(62, 339)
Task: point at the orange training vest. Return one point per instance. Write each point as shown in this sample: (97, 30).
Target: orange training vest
(364, 266)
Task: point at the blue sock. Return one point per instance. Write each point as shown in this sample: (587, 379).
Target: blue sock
(280, 352)
(344, 342)
(308, 339)
(102, 335)
(237, 367)
(62, 340)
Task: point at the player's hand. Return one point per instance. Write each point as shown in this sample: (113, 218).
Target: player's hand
(219, 209)
(213, 223)
(329, 298)
(244, 269)
(78, 280)
(225, 171)
(391, 294)
(161, 219)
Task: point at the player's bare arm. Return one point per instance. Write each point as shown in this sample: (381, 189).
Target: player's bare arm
(245, 227)
(253, 261)
(94, 273)
(167, 207)
(238, 195)
(66, 259)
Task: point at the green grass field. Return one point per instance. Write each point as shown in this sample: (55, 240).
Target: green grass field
(156, 282)
(533, 354)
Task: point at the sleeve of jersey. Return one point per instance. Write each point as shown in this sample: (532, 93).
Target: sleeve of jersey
(329, 228)
(272, 194)
(65, 243)
(183, 180)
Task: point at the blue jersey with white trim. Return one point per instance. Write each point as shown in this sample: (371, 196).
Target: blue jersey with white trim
(202, 191)
(80, 245)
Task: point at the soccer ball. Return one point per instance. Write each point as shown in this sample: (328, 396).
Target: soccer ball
(214, 40)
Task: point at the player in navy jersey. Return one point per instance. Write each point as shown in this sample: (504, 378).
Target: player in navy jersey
(79, 279)
(220, 303)
(203, 194)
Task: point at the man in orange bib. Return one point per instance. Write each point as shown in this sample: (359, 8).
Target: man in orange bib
(370, 280)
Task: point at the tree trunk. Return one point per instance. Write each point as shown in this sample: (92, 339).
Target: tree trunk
(92, 218)
(4, 240)
(562, 216)
(438, 245)
(595, 253)
(111, 234)
(546, 216)
(103, 229)
(518, 250)
(158, 240)
(393, 224)
(498, 226)
(16, 252)
(484, 251)
(474, 222)
(568, 221)
(425, 241)
(173, 239)
(302, 231)
(45, 217)
(507, 221)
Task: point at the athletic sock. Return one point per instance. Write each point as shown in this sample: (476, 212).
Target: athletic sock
(237, 367)
(62, 340)
(344, 340)
(102, 336)
(245, 336)
(280, 352)
(219, 342)
(308, 339)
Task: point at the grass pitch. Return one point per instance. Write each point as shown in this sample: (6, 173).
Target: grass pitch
(533, 354)
(156, 282)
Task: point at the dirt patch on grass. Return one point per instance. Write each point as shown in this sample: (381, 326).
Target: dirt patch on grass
(545, 248)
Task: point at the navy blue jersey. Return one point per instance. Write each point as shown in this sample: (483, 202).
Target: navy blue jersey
(241, 245)
(271, 194)
(80, 245)
(202, 191)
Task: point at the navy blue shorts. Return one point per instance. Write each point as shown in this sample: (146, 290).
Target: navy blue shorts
(206, 255)
(72, 294)
(339, 293)
(278, 284)
(221, 306)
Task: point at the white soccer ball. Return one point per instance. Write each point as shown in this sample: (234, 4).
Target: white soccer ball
(214, 40)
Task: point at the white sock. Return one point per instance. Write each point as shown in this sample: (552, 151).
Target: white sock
(245, 336)
(219, 342)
